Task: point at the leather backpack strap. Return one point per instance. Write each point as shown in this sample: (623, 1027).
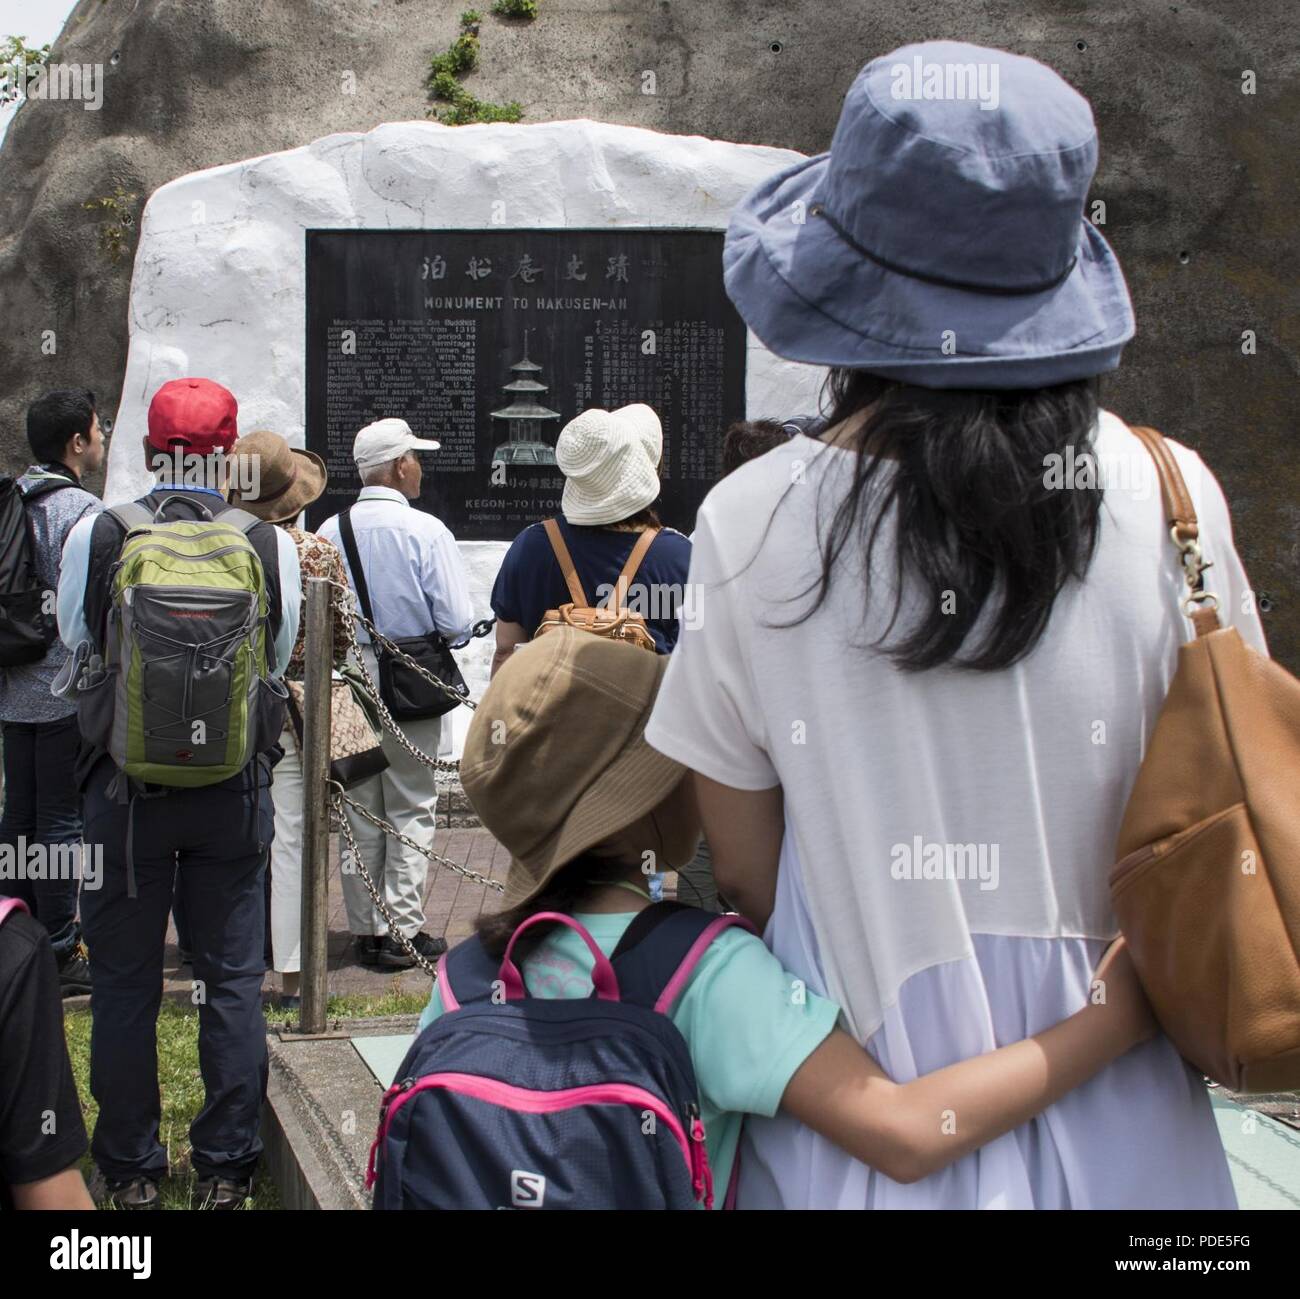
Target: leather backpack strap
(1200, 605)
(618, 597)
(565, 561)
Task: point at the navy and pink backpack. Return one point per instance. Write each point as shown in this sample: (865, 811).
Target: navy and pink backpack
(511, 1101)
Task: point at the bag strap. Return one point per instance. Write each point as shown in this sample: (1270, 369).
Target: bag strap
(131, 515)
(474, 970)
(618, 597)
(661, 948)
(604, 981)
(644, 923)
(1199, 605)
(349, 539)
(565, 561)
(43, 486)
(9, 905)
(650, 966)
(238, 518)
(295, 715)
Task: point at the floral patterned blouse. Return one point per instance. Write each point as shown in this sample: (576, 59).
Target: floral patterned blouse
(317, 558)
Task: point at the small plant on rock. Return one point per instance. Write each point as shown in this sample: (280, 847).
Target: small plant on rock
(118, 222)
(445, 71)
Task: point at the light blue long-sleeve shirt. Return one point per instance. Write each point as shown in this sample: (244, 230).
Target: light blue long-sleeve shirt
(72, 585)
(413, 567)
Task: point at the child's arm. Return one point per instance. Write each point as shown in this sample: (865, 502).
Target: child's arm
(908, 1131)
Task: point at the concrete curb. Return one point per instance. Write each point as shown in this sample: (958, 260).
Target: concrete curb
(322, 1103)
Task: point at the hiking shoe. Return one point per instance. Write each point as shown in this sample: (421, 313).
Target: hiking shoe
(74, 972)
(367, 948)
(428, 946)
(138, 1193)
(393, 956)
(222, 1192)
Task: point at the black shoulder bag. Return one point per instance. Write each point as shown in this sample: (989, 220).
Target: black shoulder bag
(406, 693)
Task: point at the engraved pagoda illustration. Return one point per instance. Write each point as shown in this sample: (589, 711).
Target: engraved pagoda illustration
(526, 418)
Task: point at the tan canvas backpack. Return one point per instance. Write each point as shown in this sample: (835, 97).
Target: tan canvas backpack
(1207, 887)
(614, 621)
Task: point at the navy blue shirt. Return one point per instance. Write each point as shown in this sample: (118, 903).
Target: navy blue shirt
(530, 581)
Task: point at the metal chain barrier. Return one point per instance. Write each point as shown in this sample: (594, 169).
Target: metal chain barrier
(345, 608)
(338, 799)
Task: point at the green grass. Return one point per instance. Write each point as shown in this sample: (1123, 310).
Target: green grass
(182, 1087)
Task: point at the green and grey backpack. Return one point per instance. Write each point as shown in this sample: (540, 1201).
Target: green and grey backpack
(187, 697)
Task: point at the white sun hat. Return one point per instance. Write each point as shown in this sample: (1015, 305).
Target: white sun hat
(610, 461)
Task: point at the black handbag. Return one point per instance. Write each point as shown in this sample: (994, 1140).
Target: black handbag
(407, 695)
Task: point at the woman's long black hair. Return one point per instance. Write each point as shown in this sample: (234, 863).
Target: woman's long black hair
(964, 475)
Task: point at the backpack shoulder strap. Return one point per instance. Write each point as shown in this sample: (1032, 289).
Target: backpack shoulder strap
(131, 515)
(618, 597)
(661, 948)
(466, 974)
(238, 518)
(9, 905)
(1200, 605)
(44, 486)
(266, 546)
(565, 560)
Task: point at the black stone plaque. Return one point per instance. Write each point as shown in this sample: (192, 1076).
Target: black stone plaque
(491, 340)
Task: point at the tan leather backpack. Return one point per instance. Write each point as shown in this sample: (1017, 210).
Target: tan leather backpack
(1207, 887)
(613, 621)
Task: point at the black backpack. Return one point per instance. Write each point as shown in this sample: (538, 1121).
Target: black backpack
(27, 620)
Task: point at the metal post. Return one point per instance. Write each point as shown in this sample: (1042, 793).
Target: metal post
(315, 818)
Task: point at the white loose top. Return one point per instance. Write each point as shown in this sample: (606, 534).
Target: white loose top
(947, 818)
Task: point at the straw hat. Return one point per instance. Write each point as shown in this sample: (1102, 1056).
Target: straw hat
(610, 461)
(287, 479)
(556, 761)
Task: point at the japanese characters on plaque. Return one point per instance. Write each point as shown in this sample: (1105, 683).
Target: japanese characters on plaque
(490, 341)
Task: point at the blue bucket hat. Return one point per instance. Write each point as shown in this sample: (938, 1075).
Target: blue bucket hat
(942, 241)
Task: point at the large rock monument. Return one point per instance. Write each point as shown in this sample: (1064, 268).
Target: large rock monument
(1197, 103)
(227, 265)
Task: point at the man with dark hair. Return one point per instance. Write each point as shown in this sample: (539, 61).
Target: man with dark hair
(41, 740)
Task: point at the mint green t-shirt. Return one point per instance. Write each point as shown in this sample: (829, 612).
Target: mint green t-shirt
(748, 1023)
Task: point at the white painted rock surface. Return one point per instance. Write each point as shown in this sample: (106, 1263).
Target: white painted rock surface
(219, 282)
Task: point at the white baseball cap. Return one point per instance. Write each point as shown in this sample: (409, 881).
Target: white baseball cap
(385, 440)
(610, 461)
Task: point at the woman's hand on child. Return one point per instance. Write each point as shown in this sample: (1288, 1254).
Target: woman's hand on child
(1117, 989)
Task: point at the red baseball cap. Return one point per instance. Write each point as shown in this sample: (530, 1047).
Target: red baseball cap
(196, 414)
